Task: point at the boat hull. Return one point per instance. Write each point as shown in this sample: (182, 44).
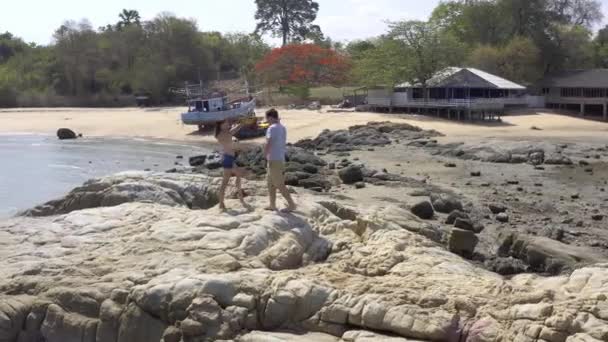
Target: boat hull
(207, 118)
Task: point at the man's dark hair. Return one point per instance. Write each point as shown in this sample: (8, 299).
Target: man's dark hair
(272, 113)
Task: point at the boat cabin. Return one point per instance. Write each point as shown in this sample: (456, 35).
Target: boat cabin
(215, 104)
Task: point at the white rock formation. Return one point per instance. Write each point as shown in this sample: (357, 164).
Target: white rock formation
(141, 272)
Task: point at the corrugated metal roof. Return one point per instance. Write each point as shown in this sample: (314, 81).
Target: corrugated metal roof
(499, 82)
(483, 79)
(590, 78)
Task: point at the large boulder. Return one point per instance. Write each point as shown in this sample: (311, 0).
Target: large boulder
(544, 254)
(351, 174)
(66, 134)
(445, 203)
(423, 210)
(174, 190)
(462, 242)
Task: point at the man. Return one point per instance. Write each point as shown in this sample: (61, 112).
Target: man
(275, 150)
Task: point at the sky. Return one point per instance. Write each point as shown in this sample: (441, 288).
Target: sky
(343, 20)
(35, 21)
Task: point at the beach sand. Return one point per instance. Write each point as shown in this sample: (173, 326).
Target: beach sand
(164, 123)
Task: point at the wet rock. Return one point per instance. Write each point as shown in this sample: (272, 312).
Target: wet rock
(364, 136)
(423, 209)
(558, 159)
(462, 242)
(351, 175)
(213, 161)
(315, 182)
(506, 266)
(536, 158)
(465, 224)
(66, 134)
(496, 208)
(456, 214)
(545, 255)
(445, 203)
(518, 159)
(555, 233)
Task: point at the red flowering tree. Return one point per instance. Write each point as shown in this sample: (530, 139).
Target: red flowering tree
(298, 67)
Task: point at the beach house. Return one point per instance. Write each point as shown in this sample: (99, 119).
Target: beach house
(582, 91)
(463, 93)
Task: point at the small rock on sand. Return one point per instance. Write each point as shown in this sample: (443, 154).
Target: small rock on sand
(502, 217)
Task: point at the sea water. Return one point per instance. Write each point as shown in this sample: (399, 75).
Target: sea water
(35, 168)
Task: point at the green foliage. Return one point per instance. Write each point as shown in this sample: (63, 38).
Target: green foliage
(131, 57)
(429, 49)
(518, 61)
(600, 48)
(292, 20)
(128, 18)
(384, 63)
(522, 40)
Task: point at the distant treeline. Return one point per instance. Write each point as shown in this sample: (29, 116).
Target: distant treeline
(522, 40)
(108, 66)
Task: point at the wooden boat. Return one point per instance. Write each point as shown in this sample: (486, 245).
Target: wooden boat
(209, 109)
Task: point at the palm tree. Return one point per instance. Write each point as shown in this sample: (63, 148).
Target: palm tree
(128, 17)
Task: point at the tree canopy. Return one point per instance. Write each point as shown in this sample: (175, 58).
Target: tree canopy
(522, 40)
(292, 20)
(298, 67)
(105, 67)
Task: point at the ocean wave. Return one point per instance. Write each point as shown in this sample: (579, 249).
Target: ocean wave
(61, 166)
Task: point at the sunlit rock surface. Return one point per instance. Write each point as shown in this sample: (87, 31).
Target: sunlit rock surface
(152, 269)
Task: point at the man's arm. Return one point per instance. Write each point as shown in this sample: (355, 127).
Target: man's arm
(268, 141)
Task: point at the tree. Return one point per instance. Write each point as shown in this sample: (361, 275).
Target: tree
(519, 60)
(487, 58)
(382, 64)
(571, 48)
(298, 67)
(357, 48)
(128, 18)
(600, 46)
(290, 19)
(10, 46)
(584, 13)
(430, 49)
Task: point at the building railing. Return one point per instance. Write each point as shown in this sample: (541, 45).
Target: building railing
(483, 103)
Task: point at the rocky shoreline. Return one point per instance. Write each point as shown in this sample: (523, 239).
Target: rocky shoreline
(448, 245)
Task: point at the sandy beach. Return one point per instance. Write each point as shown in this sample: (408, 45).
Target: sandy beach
(164, 123)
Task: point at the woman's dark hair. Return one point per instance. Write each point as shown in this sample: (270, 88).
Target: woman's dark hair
(218, 128)
(272, 113)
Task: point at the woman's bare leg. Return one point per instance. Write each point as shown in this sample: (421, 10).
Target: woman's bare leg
(225, 181)
(239, 175)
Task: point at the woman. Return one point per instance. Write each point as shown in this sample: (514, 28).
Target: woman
(224, 132)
